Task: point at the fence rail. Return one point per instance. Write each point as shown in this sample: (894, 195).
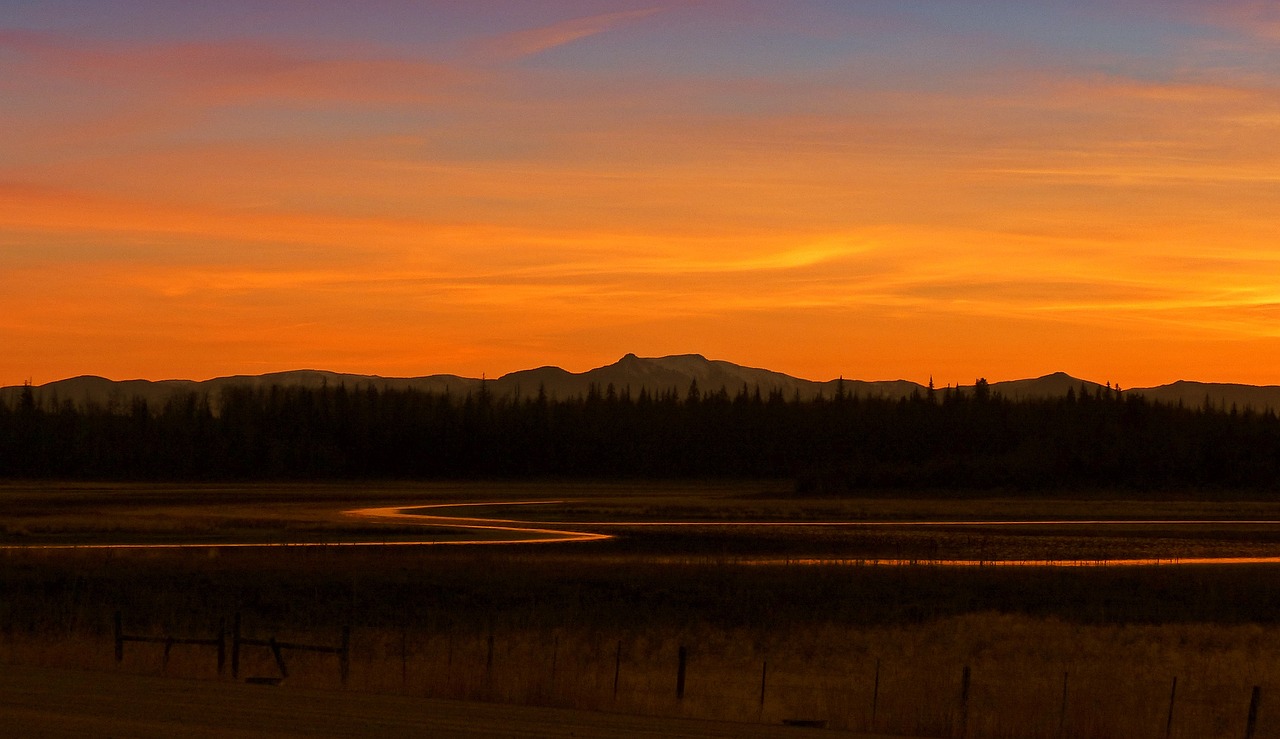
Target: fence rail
(238, 641)
(219, 641)
(966, 702)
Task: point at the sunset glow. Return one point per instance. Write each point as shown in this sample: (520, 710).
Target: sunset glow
(877, 190)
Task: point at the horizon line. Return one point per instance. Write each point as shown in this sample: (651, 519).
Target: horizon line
(483, 378)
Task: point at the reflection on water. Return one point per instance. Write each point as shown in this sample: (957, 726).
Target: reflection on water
(533, 534)
(500, 531)
(1014, 562)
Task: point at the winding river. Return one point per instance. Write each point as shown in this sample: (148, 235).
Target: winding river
(491, 531)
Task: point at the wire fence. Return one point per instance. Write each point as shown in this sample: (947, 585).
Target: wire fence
(658, 674)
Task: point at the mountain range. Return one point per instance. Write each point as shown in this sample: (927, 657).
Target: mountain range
(656, 375)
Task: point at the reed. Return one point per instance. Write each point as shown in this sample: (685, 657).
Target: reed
(1119, 675)
(543, 626)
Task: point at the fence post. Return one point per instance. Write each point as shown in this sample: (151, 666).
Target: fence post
(764, 673)
(488, 660)
(617, 669)
(1062, 712)
(235, 648)
(875, 695)
(555, 654)
(119, 637)
(964, 702)
(1254, 701)
(684, 659)
(344, 656)
(275, 650)
(404, 656)
(222, 644)
(1173, 695)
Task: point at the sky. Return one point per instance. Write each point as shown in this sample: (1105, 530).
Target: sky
(870, 189)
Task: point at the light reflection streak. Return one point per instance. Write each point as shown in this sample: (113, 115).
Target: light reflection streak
(539, 532)
(874, 562)
(399, 514)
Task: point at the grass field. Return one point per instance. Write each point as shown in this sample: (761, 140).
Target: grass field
(53, 704)
(862, 648)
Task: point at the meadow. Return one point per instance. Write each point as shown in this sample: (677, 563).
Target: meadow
(1087, 651)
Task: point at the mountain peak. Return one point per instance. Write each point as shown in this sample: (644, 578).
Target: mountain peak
(632, 373)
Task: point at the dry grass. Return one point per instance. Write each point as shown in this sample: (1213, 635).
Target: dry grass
(1118, 677)
(422, 620)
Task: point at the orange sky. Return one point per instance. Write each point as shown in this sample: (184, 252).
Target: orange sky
(875, 190)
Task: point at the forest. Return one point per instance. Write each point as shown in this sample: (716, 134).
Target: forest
(934, 441)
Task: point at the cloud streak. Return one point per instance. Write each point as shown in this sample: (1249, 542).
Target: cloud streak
(825, 192)
(533, 41)
(222, 72)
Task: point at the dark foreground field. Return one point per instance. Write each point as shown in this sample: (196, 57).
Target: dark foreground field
(64, 704)
(1086, 651)
(60, 703)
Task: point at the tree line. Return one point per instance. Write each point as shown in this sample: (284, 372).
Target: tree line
(841, 444)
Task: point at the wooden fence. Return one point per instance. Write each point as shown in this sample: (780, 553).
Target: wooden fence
(238, 642)
(218, 641)
(955, 692)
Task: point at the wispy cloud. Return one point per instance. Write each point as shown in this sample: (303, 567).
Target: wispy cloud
(232, 70)
(793, 182)
(1258, 18)
(537, 40)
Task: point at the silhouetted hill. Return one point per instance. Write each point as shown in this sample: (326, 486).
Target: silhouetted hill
(316, 378)
(877, 389)
(90, 389)
(1055, 385)
(1219, 395)
(632, 374)
(93, 389)
(677, 374)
